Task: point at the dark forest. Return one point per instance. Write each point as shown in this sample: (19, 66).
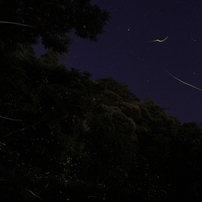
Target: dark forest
(66, 137)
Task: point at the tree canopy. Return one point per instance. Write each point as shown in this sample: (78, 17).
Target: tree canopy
(52, 21)
(64, 134)
(65, 137)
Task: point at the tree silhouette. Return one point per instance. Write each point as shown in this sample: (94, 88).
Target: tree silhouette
(52, 21)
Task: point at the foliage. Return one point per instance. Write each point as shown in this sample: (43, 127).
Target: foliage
(51, 20)
(64, 134)
(65, 137)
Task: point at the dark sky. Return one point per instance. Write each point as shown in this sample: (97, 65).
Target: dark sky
(125, 53)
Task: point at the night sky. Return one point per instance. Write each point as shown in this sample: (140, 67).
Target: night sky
(125, 52)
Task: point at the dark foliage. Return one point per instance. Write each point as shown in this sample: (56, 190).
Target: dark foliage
(51, 20)
(64, 136)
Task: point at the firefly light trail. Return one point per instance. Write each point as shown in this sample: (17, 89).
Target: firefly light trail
(15, 23)
(158, 40)
(183, 81)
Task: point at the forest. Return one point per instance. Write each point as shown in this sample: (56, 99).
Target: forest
(66, 137)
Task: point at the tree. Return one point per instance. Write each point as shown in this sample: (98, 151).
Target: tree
(64, 136)
(50, 20)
